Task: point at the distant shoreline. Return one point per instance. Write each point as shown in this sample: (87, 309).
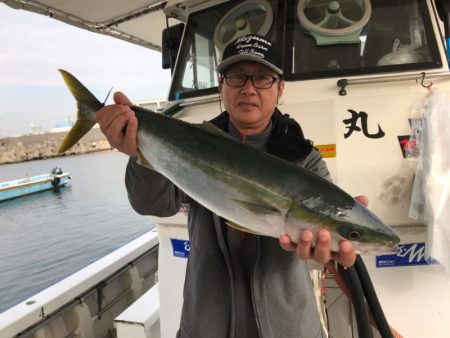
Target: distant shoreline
(42, 146)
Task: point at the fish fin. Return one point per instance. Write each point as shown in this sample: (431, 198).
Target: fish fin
(78, 130)
(243, 228)
(206, 125)
(258, 208)
(87, 105)
(143, 161)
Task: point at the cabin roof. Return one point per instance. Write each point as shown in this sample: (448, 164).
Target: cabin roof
(137, 21)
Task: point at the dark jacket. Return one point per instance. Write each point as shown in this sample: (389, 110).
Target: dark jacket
(281, 290)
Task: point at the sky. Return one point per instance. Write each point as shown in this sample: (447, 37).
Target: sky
(32, 49)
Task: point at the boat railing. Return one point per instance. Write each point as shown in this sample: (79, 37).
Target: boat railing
(142, 318)
(86, 303)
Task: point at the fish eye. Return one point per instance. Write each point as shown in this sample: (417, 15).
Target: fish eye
(353, 234)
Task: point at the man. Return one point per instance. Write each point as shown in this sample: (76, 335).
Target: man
(237, 285)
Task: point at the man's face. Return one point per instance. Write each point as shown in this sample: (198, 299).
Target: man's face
(250, 108)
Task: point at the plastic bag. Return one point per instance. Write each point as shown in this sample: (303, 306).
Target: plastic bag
(430, 200)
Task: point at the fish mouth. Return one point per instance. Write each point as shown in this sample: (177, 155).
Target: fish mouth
(378, 249)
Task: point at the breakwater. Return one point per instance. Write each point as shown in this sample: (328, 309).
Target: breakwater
(41, 146)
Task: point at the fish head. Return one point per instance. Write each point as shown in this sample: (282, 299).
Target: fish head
(345, 218)
(370, 241)
(368, 233)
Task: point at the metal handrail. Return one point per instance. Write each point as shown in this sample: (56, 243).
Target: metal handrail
(342, 83)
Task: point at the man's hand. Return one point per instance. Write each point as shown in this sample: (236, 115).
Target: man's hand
(119, 124)
(322, 249)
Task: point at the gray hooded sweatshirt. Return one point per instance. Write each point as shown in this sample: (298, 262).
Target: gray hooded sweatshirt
(266, 294)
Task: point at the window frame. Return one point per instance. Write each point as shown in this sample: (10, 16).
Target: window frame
(185, 46)
(436, 61)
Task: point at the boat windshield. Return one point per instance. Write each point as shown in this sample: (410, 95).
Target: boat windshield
(323, 39)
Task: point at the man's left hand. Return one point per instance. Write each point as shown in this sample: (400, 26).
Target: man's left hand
(321, 252)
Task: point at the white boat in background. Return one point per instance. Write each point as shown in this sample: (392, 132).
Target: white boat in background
(354, 70)
(33, 184)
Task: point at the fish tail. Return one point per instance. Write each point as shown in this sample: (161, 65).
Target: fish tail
(87, 105)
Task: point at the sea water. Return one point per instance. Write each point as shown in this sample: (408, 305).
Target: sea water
(47, 236)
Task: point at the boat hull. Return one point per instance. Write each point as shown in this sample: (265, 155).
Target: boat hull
(30, 185)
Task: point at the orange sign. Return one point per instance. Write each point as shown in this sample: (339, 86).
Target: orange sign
(327, 150)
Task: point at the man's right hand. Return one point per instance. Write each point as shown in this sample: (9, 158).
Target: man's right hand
(119, 124)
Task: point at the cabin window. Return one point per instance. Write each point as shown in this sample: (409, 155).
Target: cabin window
(207, 33)
(349, 37)
(323, 39)
(199, 63)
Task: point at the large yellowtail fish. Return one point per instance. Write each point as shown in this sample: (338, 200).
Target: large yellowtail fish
(254, 191)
